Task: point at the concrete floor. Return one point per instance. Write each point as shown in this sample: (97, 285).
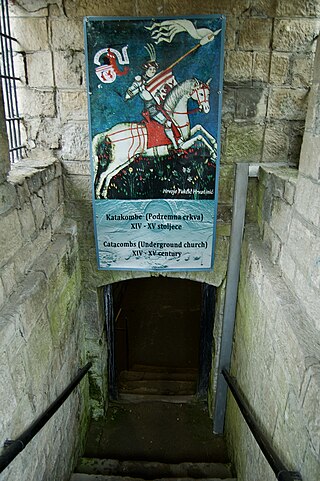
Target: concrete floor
(156, 431)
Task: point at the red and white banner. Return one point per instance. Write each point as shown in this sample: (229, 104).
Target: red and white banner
(161, 84)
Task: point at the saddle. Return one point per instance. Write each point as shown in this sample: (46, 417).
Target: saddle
(156, 132)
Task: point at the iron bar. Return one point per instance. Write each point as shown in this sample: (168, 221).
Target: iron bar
(7, 74)
(12, 119)
(9, 37)
(13, 448)
(277, 466)
(9, 79)
(15, 98)
(19, 147)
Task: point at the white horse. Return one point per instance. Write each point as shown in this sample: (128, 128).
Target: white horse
(116, 149)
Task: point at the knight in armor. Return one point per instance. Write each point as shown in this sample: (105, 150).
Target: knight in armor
(152, 109)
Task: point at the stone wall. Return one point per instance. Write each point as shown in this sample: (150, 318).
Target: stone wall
(277, 340)
(269, 52)
(41, 335)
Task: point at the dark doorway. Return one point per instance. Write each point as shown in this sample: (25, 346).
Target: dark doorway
(160, 337)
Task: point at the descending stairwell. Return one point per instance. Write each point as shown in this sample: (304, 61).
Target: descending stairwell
(157, 381)
(154, 441)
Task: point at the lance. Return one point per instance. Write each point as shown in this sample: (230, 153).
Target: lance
(206, 39)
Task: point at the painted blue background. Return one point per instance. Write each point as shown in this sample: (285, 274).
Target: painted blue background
(108, 106)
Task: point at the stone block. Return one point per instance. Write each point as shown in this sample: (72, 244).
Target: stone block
(308, 200)
(255, 33)
(261, 67)
(313, 115)
(281, 218)
(7, 197)
(27, 222)
(34, 181)
(280, 68)
(292, 416)
(35, 103)
(73, 105)
(228, 7)
(47, 133)
(295, 35)
(287, 104)
(78, 187)
(310, 411)
(10, 235)
(69, 69)
(73, 167)
(300, 244)
(39, 69)
(9, 404)
(287, 265)
(302, 67)
(276, 142)
(244, 143)
(297, 8)
(152, 7)
(273, 242)
(309, 156)
(310, 468)
(175, 7)
(19, 67)
(230, 34)
(67, 34)
(38, 210)
(2, 293)
(32, 9)
(226, 184)
(57, 218)
(63, 310)
(238, 66)
(51, 197)
(29, 301)
(75, 141)
(31, 33)
(40, 344)
(251, 103)
(81, 8)
(295, 141)
(289, 192)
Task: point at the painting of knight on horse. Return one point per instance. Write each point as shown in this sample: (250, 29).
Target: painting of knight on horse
(166, 153)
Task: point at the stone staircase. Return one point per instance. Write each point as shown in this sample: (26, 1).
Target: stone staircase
(154, 440)
(90, 469)
(158, 381)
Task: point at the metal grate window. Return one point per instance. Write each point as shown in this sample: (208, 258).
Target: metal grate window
(9, 87)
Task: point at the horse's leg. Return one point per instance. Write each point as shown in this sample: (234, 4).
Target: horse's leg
(187, 144)
(198, 128)
(107, 176)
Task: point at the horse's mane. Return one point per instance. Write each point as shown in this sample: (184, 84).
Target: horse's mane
(178, 91)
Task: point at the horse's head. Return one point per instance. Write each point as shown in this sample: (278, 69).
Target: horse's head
(201, 95)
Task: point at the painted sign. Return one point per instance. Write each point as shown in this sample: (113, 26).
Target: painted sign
(155, 91)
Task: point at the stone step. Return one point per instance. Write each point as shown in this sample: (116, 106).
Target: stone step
(149, 368)
(97, 477)
(158, 375)
(153, 470)
(159, 387)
